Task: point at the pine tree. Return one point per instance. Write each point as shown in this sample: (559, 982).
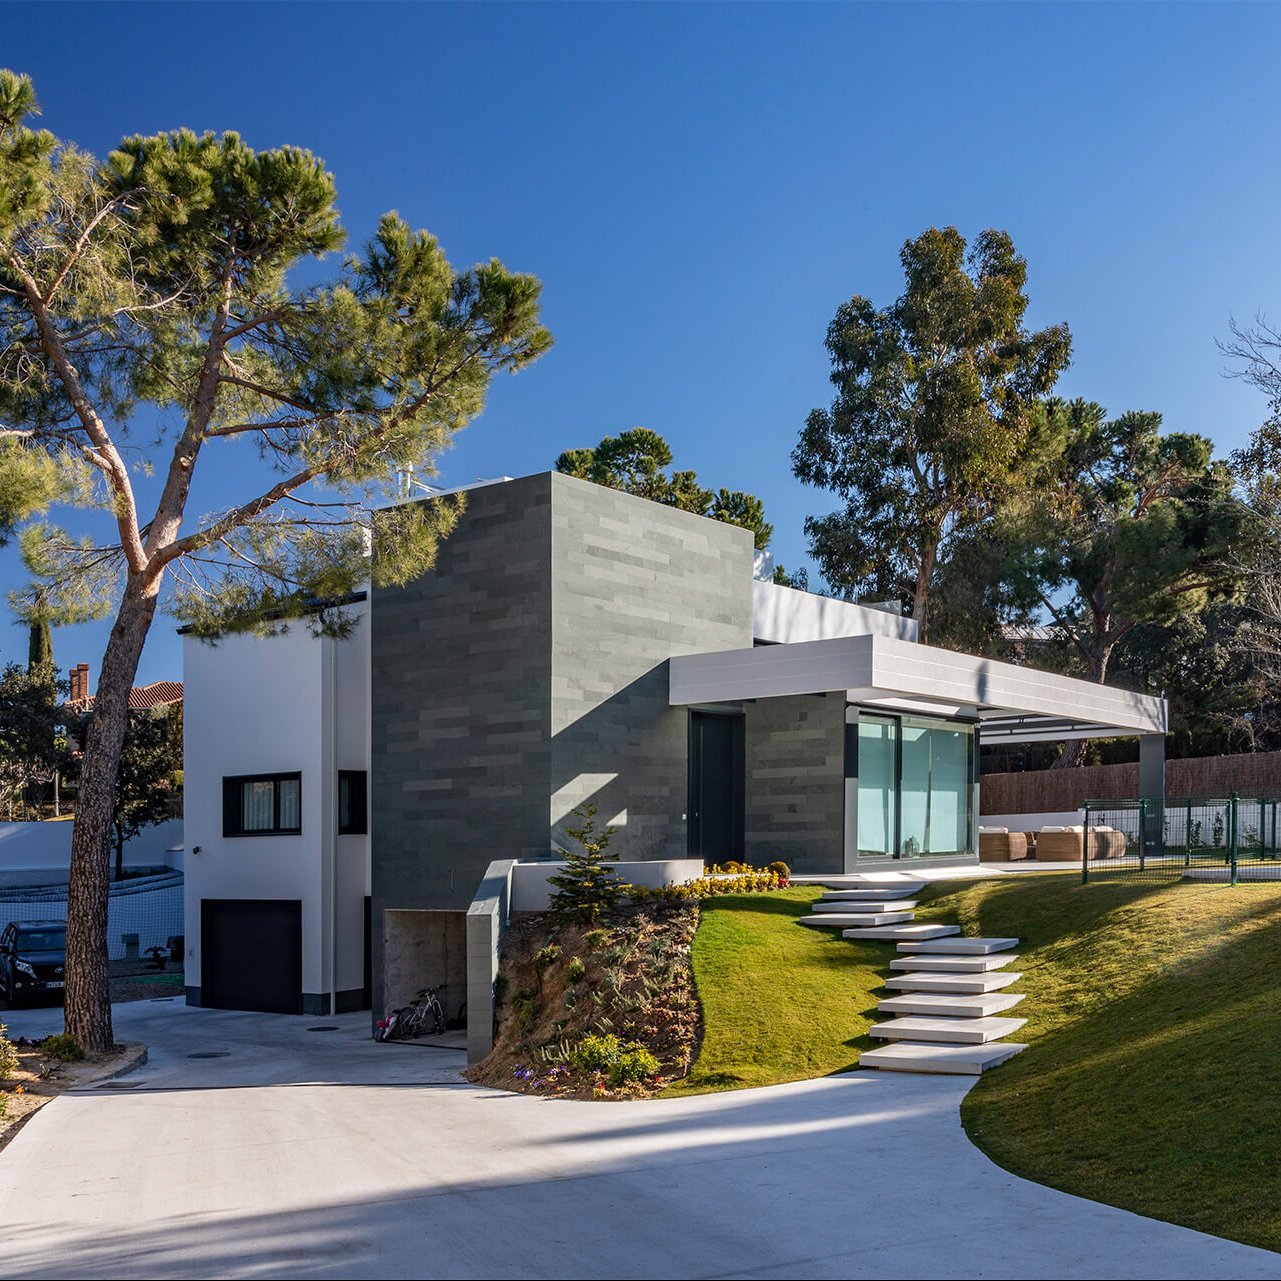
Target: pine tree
(178, 282)
(588, 888)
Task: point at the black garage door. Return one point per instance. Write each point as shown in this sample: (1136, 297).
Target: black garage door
(251, 955)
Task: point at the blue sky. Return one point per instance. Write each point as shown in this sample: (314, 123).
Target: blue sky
(699, 187)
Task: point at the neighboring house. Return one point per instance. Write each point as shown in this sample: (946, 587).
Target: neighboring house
(157, 696)
(576, 644)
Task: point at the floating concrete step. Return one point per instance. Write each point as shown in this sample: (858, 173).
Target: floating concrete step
(839, 920)
(913, 931)
(951, 1005)
(890, 905)
(992, 981)
(952, 1060)
(945, 1031)
(960, 947)
(873, 892)
(952, 964)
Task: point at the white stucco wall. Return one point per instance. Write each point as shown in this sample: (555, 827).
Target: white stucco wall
(784, 615)
(275, 704)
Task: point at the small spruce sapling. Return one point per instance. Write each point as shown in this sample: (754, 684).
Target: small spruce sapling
(588, 888)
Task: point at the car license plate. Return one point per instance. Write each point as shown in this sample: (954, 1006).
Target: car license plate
(54, 983)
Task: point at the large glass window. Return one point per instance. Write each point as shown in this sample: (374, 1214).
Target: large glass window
(915, 787)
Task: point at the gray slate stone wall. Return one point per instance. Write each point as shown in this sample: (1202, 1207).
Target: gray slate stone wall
(633, 584)
(459, 699)
(796, 781)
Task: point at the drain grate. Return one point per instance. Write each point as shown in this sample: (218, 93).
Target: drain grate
(210, 1054)
(325, 1027)
(121, 1085)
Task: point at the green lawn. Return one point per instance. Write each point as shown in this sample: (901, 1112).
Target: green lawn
(781, 1002)
(1152, 1079)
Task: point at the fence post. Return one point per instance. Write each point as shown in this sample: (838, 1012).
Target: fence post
(1187, 837)
(1085, 847)
(1143, 833)
(1232, 835)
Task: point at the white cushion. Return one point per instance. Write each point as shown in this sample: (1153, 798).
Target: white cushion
(994, 831)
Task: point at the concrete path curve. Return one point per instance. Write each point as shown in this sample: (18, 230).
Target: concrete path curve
(319, 1154)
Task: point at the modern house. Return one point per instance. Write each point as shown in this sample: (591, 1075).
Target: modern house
(575, 644)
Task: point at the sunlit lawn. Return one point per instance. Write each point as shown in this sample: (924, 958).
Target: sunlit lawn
(1152, 1079)
(781, 1002)
(1154, 1033)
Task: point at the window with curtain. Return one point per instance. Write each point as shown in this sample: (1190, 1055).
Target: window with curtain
(262, 805)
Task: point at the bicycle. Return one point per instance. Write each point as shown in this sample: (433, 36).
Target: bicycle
(425, 1017)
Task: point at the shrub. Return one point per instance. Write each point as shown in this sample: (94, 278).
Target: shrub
(781, 870)
(525, 1008)
(546, 957)
(620, 1061)
(8, 1056)
(62, 1046)
(588, 888)
(730, 866)
(576, 970)
(750, 881)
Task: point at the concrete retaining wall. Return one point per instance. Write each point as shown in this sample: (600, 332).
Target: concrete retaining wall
(45, 848)
(421, 949)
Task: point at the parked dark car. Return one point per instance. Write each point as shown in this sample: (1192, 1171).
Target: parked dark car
(33, 959)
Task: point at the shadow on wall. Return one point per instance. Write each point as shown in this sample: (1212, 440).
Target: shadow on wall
(628, 755)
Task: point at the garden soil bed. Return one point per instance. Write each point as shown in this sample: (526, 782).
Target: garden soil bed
(40, 1078)
(559, 983)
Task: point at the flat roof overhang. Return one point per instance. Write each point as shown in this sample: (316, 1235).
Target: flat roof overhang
(1010, 703)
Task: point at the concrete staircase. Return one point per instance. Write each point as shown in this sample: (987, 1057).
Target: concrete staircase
(947, 993)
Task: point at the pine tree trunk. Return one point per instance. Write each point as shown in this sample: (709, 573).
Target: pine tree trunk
(88, 994)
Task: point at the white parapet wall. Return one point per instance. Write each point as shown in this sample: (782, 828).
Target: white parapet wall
(531, 893)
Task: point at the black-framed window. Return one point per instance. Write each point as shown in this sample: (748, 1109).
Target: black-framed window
(262, 805)
(353, 802)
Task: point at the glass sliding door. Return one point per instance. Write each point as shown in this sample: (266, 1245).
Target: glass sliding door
(915, 789)
(936, 789)
(877, 799)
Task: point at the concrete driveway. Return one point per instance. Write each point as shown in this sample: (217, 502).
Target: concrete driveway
(307, 1153)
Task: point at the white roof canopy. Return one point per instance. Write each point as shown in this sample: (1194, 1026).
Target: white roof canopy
(1011, 703)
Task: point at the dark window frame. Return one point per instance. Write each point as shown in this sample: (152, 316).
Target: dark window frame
(232, 800)
(357, 781)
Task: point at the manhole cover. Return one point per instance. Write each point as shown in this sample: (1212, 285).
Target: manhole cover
(210, 1054)
(325, 1027)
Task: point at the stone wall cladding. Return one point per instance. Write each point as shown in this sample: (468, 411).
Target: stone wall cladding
(796, 782)
(633, 584)
(459, 706)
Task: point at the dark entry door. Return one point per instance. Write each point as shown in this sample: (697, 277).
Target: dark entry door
(251, 955)
(716, 786)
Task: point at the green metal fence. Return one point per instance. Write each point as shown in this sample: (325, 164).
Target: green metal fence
(1216, 838)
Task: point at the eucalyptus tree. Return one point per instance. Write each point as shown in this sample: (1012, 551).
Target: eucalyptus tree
(153, 311)
(932, 404)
